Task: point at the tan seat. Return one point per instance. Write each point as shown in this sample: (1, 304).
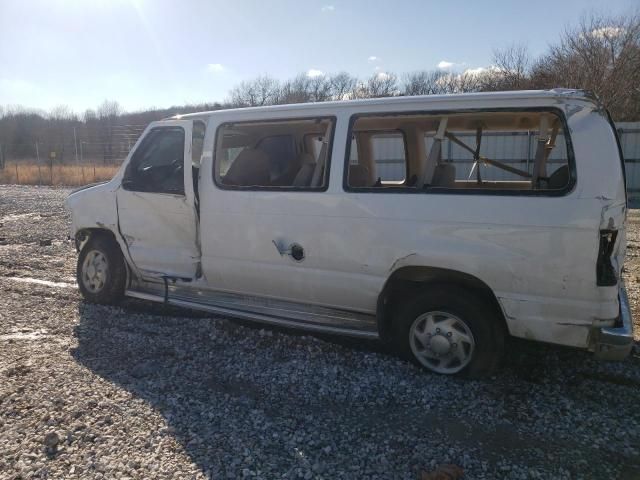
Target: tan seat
(305, 174)
(251, 167)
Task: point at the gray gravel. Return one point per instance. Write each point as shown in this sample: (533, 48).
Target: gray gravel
(142, 391)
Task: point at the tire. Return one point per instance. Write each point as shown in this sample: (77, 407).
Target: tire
(450, 330)
(101, 272)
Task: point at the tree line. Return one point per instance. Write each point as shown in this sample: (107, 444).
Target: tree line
(599, 54)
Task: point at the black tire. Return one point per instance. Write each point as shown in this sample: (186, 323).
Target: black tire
(113, 285)
(479, 316)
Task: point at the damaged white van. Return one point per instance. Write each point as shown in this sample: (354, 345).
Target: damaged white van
(442, 224)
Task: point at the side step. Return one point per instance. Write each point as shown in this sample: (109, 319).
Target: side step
(264, 310)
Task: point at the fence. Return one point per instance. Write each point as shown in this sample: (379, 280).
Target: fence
(91, 161)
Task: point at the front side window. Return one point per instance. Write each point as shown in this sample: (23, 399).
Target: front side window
(158, 164)
(476, 152)
(273, 154)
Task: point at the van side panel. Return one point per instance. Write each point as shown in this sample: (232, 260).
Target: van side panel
(537, 253)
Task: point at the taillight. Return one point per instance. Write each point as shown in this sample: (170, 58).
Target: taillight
(605, 273)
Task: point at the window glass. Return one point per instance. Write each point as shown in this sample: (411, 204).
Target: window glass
(273, 154)
(158, 164)
(485, 151)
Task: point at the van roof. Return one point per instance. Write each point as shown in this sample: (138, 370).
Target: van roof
(562, 94)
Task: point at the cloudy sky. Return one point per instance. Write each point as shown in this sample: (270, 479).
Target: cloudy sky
(146, 53)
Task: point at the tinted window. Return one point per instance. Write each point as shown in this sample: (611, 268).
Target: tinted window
(158, 164)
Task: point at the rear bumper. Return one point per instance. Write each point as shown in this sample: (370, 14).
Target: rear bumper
(615, 343)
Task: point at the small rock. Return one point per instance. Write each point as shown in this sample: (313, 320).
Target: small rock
(45, 242)
(51, 440)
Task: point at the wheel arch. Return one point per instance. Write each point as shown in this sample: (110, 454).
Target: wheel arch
(83, 235)
(408, 281)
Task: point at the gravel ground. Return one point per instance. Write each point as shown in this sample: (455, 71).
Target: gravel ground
(142, 391)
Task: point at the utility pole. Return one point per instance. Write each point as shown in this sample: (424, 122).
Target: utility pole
(75, 142)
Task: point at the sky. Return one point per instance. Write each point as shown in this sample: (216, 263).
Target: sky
(158, 53)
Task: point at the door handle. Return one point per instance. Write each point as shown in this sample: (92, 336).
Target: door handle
(294, 250)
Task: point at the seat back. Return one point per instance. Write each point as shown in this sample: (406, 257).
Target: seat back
(305, 174)
(251, 167)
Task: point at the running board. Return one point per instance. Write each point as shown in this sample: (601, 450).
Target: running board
(274, 312)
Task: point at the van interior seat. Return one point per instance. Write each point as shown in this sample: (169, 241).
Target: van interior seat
(305, 173)
(251, 167)
(359, 176)
(444, 175)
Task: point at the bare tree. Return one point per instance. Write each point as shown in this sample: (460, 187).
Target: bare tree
(602, 54)
(108, 113)
(381, 84)
(263, 90)
(320, 88)
(295, 91)
(423, 83)
(510, 69)
(342, 86)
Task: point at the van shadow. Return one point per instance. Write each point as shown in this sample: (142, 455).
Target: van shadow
(229, 391)
(239, 397)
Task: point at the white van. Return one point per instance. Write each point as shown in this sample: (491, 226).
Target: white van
(440, 223)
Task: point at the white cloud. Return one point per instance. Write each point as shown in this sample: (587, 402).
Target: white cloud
(444, 65)
(314, 73)
(373, 58)
(328, 8)
(215, 68)
(481, 70)
(382, 75)
(607, 32)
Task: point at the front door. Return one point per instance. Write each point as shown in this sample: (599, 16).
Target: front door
(156, 207)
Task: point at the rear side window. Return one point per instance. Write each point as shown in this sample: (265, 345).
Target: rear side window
(488, 152)
(274, 154)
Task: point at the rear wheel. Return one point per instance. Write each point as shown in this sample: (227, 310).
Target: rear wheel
(450, 330)
(101, 271)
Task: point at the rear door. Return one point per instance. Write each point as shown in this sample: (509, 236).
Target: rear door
(156, 206)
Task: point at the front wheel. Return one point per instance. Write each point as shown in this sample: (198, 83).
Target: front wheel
(101, 272)
(450, 330)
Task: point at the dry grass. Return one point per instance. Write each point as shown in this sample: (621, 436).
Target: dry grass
(68, 175)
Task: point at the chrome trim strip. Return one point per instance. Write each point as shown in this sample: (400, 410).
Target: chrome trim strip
(315, 327)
